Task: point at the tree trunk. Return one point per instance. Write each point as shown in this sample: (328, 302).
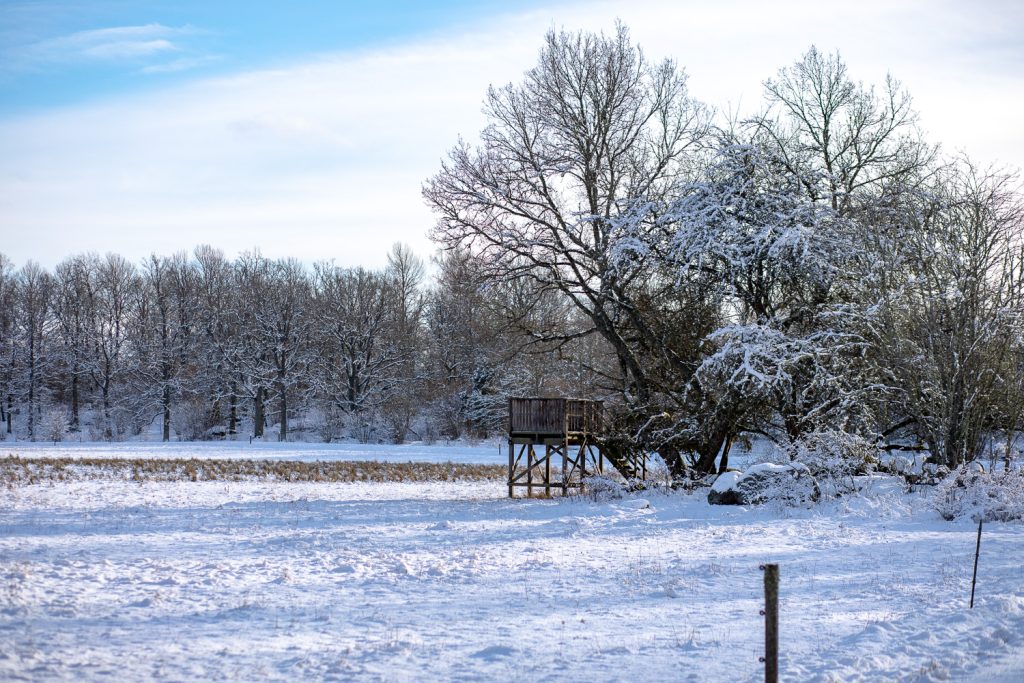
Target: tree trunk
(108, 432)
(708, 453)
(167, 412)
(674, 461)
(257, 418)
(233, 412)
(283, 414)
(74, 403)
(723, 464)
(31, 390)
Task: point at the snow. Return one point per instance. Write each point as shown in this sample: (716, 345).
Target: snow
(774, 468)
(493, 452)
(454, 581)
(726, 481)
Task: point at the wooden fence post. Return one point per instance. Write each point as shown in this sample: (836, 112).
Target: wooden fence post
(771, 622)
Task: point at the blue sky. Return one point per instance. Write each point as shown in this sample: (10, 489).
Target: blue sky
(308, 130)
(58, 53)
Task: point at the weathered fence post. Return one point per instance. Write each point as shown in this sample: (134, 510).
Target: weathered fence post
(977, 551)
(771, 622)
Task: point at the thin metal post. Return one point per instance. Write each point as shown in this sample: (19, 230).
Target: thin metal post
(977, 552)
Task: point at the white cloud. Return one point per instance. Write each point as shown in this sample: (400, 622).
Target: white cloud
(128, 49)
(106, 44)
(325, 159)
(180, 64)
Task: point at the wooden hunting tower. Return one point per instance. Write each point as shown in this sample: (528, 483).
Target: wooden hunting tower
(570, 431)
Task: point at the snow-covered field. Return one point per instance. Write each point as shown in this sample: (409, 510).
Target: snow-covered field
(106, 579)
(491, 452)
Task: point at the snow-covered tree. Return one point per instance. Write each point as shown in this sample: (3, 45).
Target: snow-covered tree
(7, 343)
(271, 343)
(355, 369)
(952, 309)
(32, 314)
(73, 316)
(112, 298)
(593, 130)
(779, 259)
(848, 141)
(166, 326)
(218, 373)
(404, 275)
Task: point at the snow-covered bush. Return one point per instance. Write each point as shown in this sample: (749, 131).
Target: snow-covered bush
(992, 496)
(55, 424)
(191, 420)
(601, 489)
(834, 458)
(787, 485)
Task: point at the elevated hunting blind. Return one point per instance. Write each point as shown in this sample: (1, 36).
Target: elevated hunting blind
(570, 432)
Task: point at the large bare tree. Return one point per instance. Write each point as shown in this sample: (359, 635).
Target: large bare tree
(594, 131)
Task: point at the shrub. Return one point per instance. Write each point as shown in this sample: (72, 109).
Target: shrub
(835, 458)
(601, 489)
(55, 425)
(994, 496)
(790, 485)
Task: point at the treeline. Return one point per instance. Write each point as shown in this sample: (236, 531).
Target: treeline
(817, 274)
(197, 346)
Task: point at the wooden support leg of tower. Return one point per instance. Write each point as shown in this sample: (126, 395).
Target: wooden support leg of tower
(529, 471)
(547, 471)
(565, 472)
(583, 463)
(511, 468)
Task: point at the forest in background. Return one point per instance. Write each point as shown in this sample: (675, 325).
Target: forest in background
(200, 347)
(818, 274)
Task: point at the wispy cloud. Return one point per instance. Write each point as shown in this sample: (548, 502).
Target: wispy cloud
(119, 42)
(180, 64)
(148, 45)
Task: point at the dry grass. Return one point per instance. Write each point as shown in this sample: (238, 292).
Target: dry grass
(18, 471)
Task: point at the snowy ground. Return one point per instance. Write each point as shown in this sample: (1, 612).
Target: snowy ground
(452, 581)
(492, 452)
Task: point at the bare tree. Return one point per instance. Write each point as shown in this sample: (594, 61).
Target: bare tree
(218, 370)
(593, 133)
(356, 359)
(952, 311)
(167, 318)
(113, 296)
(270, 317)
(73, 317)
(821, 122)
(34, 295)
(404, 274)
(7, 342)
